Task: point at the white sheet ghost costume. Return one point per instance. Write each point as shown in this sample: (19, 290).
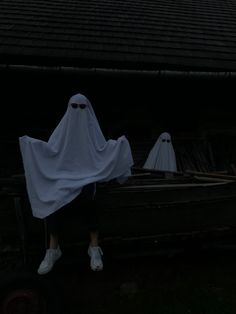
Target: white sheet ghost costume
(162, 155)
(75, 155)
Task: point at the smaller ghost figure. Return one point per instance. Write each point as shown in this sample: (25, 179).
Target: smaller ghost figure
(162, 155)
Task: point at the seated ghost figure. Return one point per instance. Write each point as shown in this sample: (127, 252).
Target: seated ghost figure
(162, 155)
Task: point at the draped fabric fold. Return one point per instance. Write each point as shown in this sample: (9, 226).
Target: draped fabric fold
(75, 155)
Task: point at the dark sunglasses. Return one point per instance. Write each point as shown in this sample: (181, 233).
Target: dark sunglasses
(75, 106)
(164, 140)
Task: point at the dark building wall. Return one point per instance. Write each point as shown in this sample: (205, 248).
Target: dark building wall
(33, 103)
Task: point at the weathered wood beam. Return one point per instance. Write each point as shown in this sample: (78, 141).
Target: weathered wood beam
(212, 174)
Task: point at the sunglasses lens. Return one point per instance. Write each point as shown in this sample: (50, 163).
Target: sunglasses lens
(74, 105)
(164, 140)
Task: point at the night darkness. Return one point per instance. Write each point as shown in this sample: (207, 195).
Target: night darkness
(33, 103)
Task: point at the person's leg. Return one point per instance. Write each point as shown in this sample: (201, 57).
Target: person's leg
(54, 222)
(53, 252)
(90, 212)
(53, 241)
(92, 223)
(94, 238)
(94, 250)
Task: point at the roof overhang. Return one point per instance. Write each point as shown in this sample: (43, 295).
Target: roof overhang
(121, 72)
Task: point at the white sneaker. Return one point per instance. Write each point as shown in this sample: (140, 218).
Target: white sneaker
(95, 253)
(51, 256)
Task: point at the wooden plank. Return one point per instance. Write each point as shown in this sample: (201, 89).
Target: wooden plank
(161, 172)
(212, 179)
(172, 185)
(212, 174)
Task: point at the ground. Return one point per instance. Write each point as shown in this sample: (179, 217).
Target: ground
(188, 282)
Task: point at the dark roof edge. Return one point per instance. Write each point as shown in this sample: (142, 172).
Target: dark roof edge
(122, 72)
